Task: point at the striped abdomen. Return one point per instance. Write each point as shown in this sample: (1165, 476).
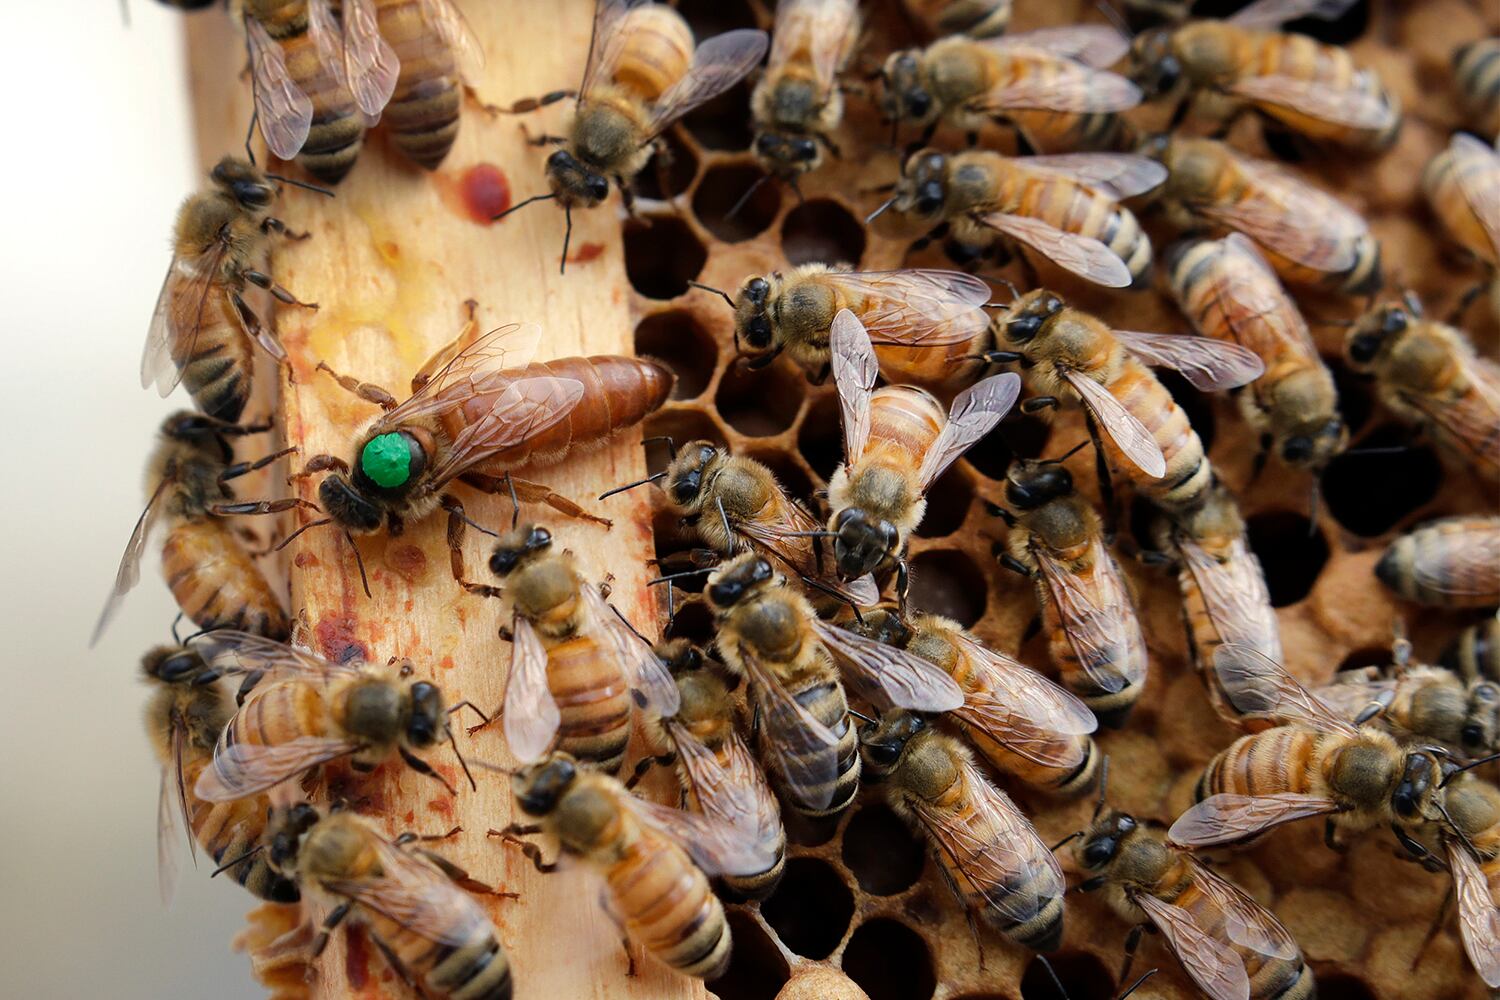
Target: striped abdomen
(1067, 205)
(338, 126)
(593, 700)
(1476, 67)
(1065, 131)
(1444, 188)
(228, 830)
(824, 700)
(478, 969)
(739, 765)
(1239, 573)
(1283, 759)
(274, 715)
(1188, 472)
(1435, 564)
(667, 905)
(216, 583)
(936, 367)
(657, 52)
(219, 370)
(906, 417)
(423, 111)
(1302, 58)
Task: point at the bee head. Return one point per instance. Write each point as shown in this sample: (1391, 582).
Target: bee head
(244, 182)
(787, 154)
(904, 95)
(1481, 729)
(680, 656)
(1421, 775)
(684, 483)
(1372, 332)
(541, 786)
(285, 831)
(1152, 63)
(1029, 314)
(752, 320)
(574, 184)
(178, 665)
(202, 432)
(1029, 485)
(860, 542)
(884, 625)
(923, 187)
(883, 741)
(728, 586)
(1312, 448)
(1103, 840)
(427, 721)
(518, 547)
(351, 509)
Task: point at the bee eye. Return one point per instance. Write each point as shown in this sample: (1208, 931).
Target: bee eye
(1394, 322)
(929, 197)
(760, 571)
(804, 150)
(686, 487)
(1297, 449)
(1363, 348)
(1472, 734)
(1023, 328)
(538, 538)
(757, 290)
(726, 592)
(1098, 852)
(766, 143)
(883, 754)
(503, 561)
(919, 103)
(1052, 305)
(597, 186)
(758, 332)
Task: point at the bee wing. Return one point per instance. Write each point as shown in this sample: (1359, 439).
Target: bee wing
(525, 409)
(1020, 709)
(328, 39)
(370, 64)
(915, 307)
(1209, 365)
(736, 795)
(1128, 433)
(805, 751)
(171, 804)
(179, 315)
(1119, 175)
(855, 369)
(718, 64)
(1235, 596)
(1471, 419)
(284, 111)
(640, 663)
(239, 770)
(237, 653)
(1246, 922)
(129, 572)
(415, 894)
(1059, 84)
(1478, 915)
(1223, 819)
(1099, 621)
(1290, 216)
(1083, 255)
(1480, 185)
(715, 846)
(1445, 568)
(1267, 15)
(1257, 685)
(1211, 963)
(784, 535)
(1096, 45)
(1352, 107)
(887, 676)
(453, 28)
(1351, 692)
(1257, 310)
(974, 413)
(821, 28)
(606, 42)
(531, 715)
(486, 365)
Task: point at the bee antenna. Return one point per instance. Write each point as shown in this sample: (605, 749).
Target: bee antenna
(175, 622)
(1314, 498)
(710, 288)
(1463, 837)
(461, 762)
(667, 577)
(862, 716)
(881, 210)
(626, 622)
(1062, 990)
(744, 199)
(562, 266)
(1103, 789)
(757, 363)
(522, 204)
(878, 188)
(301, 184)
(821, 533)
(796, 190)
(671, 445)
(1067, 840)
(1394, 449)
(1461, 768)
(630, 486)
(1412, 303)
(1015, 293)
(485, 765)
(289, 538)
(1067, 454)
(243, 857)
(359, 560)
(1137, 984)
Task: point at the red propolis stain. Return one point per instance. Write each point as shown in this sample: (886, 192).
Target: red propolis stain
(410, 817)
(408, 561)
(442, 806)
(356, 955)
(586, 252)
(485, 191)
(446, 663)
(302, 560)
(336, 639)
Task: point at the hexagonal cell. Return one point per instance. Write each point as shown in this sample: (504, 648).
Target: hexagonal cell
(1290, 551)
(693, 621)
(1356, 398)
(662, 181)
(948, 503)
(946, 582)
(760, 403)
(881, 852)
(890, 961)
(662, 257)
(822, 231)
(787, 472)
(736, 201)
(757, 969)
(810, 908)
(819, 439)
(808, 831)
(1369, 492)
(724, 122)
(1333, 986)
(675, 338)
(1021, 434)
(1081, 974)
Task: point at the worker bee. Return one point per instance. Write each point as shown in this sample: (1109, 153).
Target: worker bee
(1422, 702)
(1057, 541)
(1067, 208)
(1475, 653)
(988, 851)
(1018, 720)
(1428, 374)
(213, 579)
(797, 104)
(768, 634)
(654, 859)
(1462, 186)
(1308, 236)
(1147, 436)
(715, 770)
(406, 64)
(302, 98)
(642, 75)
(305, 711)
(184, 717)
(573, 662)
(1451, 562)
(435, 935)
(1312, 89)
(1476, 69)
(202, 327)
(1471, 841)
(975, 18)
(897, 442)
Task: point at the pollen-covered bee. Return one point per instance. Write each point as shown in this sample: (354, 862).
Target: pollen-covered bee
(897, 442)
(413, 902)
(990, 853)
(1018, 720)
(654, 860)
(184, 717)
(1462, 186)
(642, 75)
(1452, 562)
(1308, 236)
(1476, 70)
(768, 634)
(1067, 207)
(213, 579)
(1475, 653)
(1056, 540)
(202, 327)
(975, 18)
(1313, 89)
(1227, 291)
(797, 104)
(573, 662)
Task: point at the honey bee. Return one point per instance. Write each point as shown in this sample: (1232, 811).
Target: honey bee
(1019, 721)
(213, 579)
(1476, 69)
(302, 98)
(1312, 89)
(654, 860)
(1471, 841)
(1056, 540)
(573, 662)
(184, 717)
(435, 936)
(305, 711)
(642, 75)
(768, 634)
(1147, 436)
(1462, 186)
(797, 104)
(1452, 562)
(986, 848)
(716, 771)
(897, 442)
(202, 327)
(1307, 236)
(1475, 653)
(1422, 702)
(975, 18)
(1067, 207)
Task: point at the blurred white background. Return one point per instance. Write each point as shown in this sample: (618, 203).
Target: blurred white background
(98, 158)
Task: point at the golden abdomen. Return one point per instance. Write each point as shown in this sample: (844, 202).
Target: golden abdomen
(668, 907)
(593, 700)
(658, 51)
(216, 365)
(1277, 760)
(907, 417)
(1188, 472)
(216, 583)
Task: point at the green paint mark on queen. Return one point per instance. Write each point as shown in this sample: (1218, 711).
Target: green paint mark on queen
(386, 460)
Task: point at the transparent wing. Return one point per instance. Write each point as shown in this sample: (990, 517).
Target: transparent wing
(1352, 692)
(370, 65)
(1267, 15)
(181, 308)
(525, 409)
(1223, 819)
(1212, 964)
(454, 30)
(1096, 45)
(1063, 85)
(1128, 433)
(974, 413)
(804, 751)
(855, 369)
(887, 676)
(917, 308)
(531, 716)
(1288, 215)
(1021, 709)
(721, 795)
(1083, 255)
(416, 895)
(646, 672)
(606, 42)
(1246, 922)
(328, 39)
(172, 806)
(716, 847)
(129, 572)
(821, 28)
(1098, 618)
(1256, 309)
(1257, 685)
(718, 64)
(236, 653)
(1477, 168)
(1462, 564)
(1209, 365)
(1119, 175)
(1478, 916)
(487, 365)
(782, 532)
(1235, 595)
(284, 111)
(242, 769)
(1471, 419)
(1351, 107)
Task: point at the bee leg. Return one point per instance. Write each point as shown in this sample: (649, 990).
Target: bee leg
(1261, 456)
(828, 143)
(541, 140)
(275, 225)
(1106, 483)
(249, 507)
(526, 105)
(541, 493)
(1132, 942)
(368, 391)
(607, 905)
(456, 874)
(1015, 565)
(644, 766)
(262, 280)
(661, 160)
(530, 851)
(627, 197)
(458, 523)
(422, 767)
(330, 924)
(317, 464)
(903, 584)
(473, 97)
(1432, 931)
(244, 468)
(1464, 301)
(1330, 836)
(398, 966)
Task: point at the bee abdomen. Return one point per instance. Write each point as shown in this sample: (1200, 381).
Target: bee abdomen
(1188, 472)
(593, 700)
(1429, 566)
(1477, 69)
(759, 886)
(907, 416)
(423, 113)
(658, 50)
(1072, 779)
(1074, 208)
(826, 702)
(1277, 760)
(216, 584)
(218, 372)
(669, 908)
(1476, 652)
(228, 830)
(479, 970)
(338, 126)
